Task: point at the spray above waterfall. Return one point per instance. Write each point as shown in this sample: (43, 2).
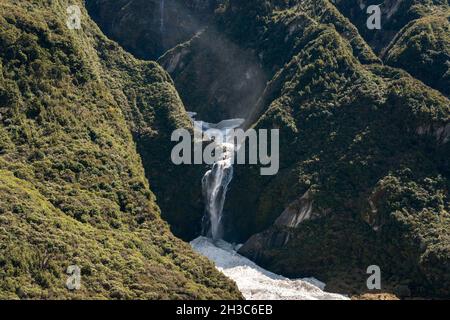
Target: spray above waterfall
(161, 9)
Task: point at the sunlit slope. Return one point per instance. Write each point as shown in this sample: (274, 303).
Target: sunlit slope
(414, 35)
(72, 187)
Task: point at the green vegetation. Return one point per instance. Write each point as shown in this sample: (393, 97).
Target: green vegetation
(423, 49)
(369, 143)
(72, 186)
(222, 71)
(216, 78)
(250, 22)
(395, 15)
(346, 129)
(414, 36)
(138, 26)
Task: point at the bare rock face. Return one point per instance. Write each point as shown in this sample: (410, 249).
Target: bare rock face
(440, 131)
(215, 77)
(298, 211)
(346, 159)
(354, 132)
(148, 28)
(272, 239)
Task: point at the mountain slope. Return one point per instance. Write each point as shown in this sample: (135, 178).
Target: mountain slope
(364, 172)
(222, 71)
(73, 190)
(395, 14)
(411, 31)
(364, 147)
(425, 41)
(148, 28)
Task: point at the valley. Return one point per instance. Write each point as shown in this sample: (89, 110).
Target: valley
(359, 175)
(348, 149)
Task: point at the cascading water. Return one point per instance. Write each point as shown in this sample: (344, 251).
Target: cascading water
(215, 184)
(253, 281)
(216, 180)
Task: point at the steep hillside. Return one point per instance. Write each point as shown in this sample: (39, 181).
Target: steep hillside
(213, 50)
(395, 14)
(414, 36)
(72, 186)
(364, 148)
(223, 71)
(215, 77)
(426, 43)
(364, 178)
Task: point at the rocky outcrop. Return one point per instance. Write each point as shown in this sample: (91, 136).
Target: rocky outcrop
(296, 212)
(441, 132)
(366, 142)
(341, 124)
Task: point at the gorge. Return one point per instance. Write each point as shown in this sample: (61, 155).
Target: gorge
(253, 281)
(87, 179)
(347, 181)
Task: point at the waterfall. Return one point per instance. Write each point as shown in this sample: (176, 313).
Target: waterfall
(216, 180)
(161, 9)
(215, 185)
(253, 281)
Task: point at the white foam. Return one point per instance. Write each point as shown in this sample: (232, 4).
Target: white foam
(256, 283)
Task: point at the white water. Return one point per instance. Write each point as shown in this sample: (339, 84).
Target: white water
(216, 180)
(256, 283)
(215, 184)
